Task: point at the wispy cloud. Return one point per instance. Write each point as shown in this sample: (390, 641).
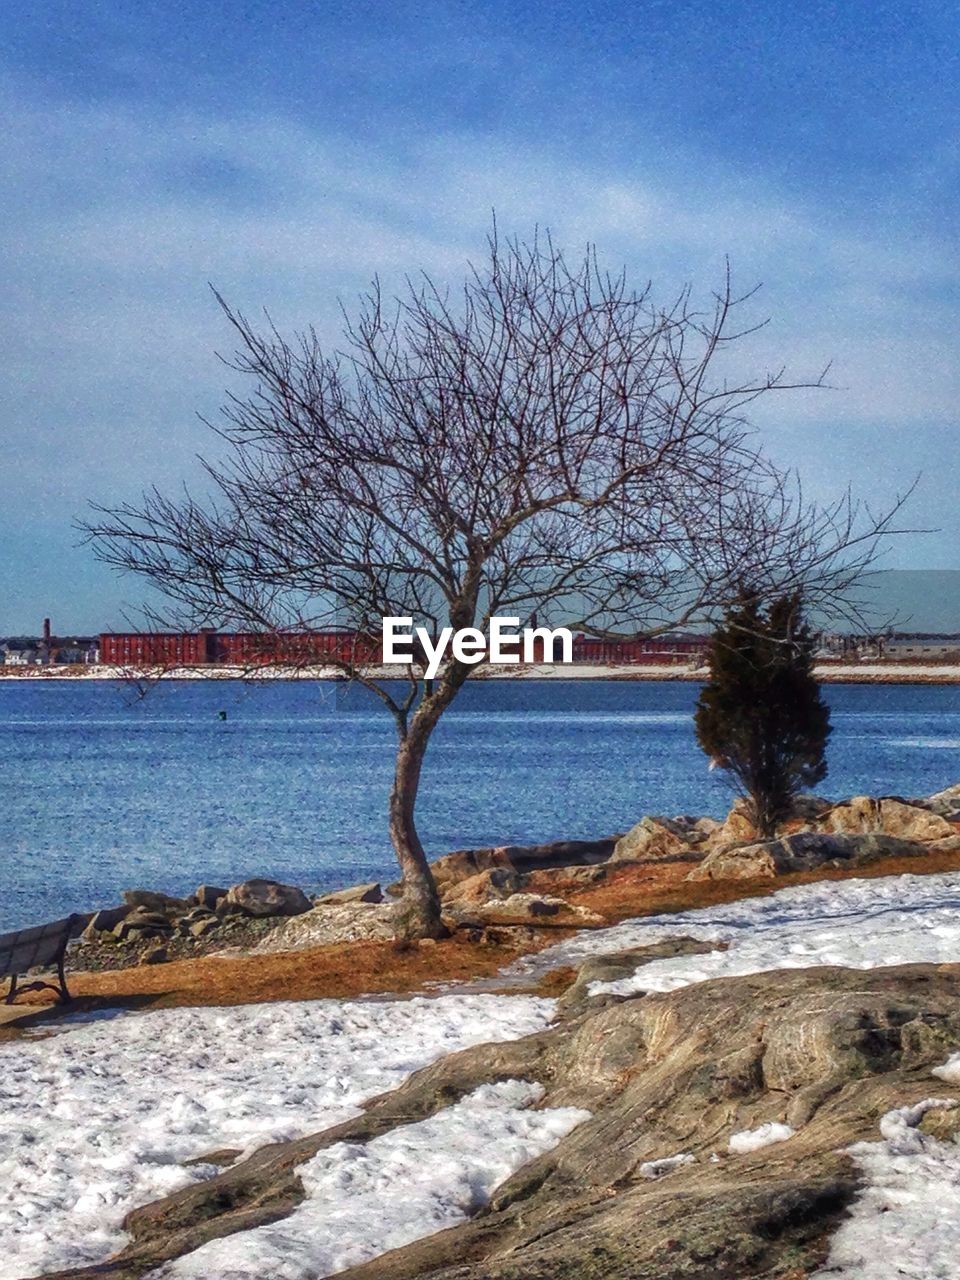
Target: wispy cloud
(121, 214)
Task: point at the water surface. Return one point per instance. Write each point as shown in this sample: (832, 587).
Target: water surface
(104, 790)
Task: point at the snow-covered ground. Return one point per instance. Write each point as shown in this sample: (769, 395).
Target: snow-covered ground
(363, 1199)
(858, 924)
(98, 1119)
(905, 1223)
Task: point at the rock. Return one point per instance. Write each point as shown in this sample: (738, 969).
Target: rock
(703, 829)
(221, 1157)
(426, 942)
(200, 928)
(463, 863)
(350, 922)
(614, 965)
(142, 924)
(524, 909)
(827, 1051)
(155, 955)
(105, 921)
(942, 1123)
(557, 880)
(802, 852)
(198, 913)
(736, 828)
(268, 898)
(737, 862)
(208, 896)
(143, 935)
(652, 838)
(809, 808)
(946, 803)
(485, 886)
(151, 901)
(80, 925)
(357, 893)
(890, 815)
(226, 908)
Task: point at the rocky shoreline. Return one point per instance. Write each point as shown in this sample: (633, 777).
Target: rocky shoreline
(510, 895)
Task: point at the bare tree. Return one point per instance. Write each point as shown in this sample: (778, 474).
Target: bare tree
(545, 442)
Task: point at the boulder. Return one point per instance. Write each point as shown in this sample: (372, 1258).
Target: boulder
(200, 928)
(803, 851)
(736, 828)
(356, 893)
(208, 896)
(526, 909)
(946, 803)
(105, 921)
(888, 814)
(151, 901)
(143, 924)
(809, 808)
(653, 838)
(910, 822)
(268, 898)
(155, 955)
(611, 966)
(463, 863)
(350, 922)
(225, 907)
(486, 886)
(561, 880)
(942, 1123)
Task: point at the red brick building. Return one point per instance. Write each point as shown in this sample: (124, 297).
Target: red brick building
(251, 648)
(236, 648)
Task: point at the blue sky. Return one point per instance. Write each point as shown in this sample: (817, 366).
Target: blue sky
(286, 152)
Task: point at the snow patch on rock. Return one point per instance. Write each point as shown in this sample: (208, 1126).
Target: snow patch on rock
(365, 1198)
(765, 1135)
(905, 1223)
(99, 1119)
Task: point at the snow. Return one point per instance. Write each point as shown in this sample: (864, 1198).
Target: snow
(98, 1118)
(657, 1168)
(905, 1223)
(950, 1071)
(766, 1135)
(363, 1199)
(859, 924)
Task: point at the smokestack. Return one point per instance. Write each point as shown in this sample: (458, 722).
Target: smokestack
(46, 632)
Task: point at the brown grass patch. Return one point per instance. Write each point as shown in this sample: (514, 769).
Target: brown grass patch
(350, 969)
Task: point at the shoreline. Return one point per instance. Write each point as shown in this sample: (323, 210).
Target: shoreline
(845, 673)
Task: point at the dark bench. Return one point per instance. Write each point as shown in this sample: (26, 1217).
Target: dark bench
(46, 944)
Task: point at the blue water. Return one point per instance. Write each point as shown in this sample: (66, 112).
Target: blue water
(104, 791)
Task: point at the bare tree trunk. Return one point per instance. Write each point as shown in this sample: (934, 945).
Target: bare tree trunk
(419, 915)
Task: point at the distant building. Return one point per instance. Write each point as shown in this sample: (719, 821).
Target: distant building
(300, 648)
(20, 652)
(238, 648)
(921, 644)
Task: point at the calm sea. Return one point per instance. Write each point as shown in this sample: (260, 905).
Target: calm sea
(103, 790)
